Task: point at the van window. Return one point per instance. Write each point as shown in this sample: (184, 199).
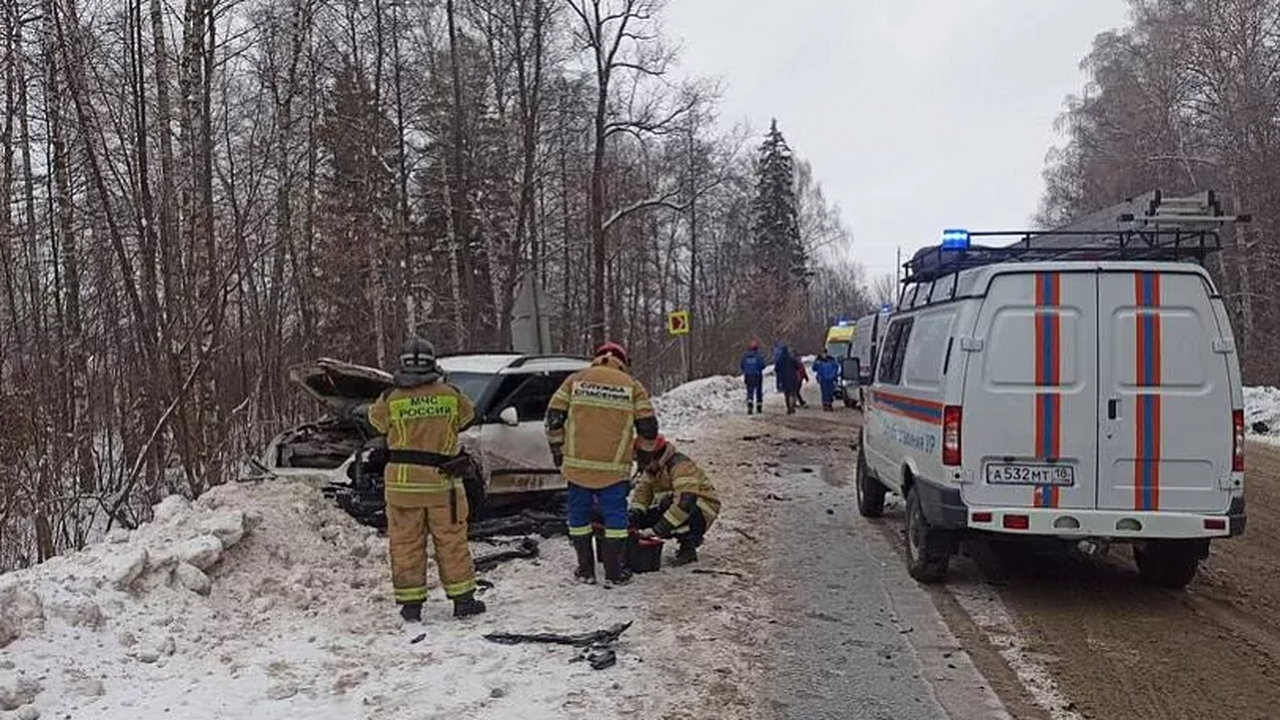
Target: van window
(924, 368)
(895, 351)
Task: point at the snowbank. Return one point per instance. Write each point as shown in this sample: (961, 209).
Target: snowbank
(265, 601)
(1262, 405)
(680, 409)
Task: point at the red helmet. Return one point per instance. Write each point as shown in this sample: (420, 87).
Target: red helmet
(642, 455)
(614, 349)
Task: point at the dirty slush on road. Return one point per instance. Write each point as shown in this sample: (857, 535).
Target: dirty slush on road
(1091, 641)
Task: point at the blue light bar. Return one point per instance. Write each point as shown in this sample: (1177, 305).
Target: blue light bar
(955, 239)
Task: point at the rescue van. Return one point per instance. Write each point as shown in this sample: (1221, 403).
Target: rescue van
(859, 367)
(1082, 388)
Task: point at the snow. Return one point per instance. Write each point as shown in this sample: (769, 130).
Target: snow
(263, 600)
(1262, 405)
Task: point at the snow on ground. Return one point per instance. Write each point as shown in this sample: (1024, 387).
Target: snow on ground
(1262, 405)
(265, 601)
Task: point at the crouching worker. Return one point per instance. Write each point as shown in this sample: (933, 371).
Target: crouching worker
(421, 418)
(673, 498)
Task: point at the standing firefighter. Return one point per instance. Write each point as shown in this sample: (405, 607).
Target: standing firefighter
(752, 367)
(421, 417)
(674, 498)
(592, 422)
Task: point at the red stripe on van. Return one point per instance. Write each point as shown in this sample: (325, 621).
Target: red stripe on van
(1146, 464)
(1048, 353)
(925, 411)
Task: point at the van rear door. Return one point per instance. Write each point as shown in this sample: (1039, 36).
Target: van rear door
(1165, 424)
(1030, 394)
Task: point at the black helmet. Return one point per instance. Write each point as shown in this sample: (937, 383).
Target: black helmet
(417, 356)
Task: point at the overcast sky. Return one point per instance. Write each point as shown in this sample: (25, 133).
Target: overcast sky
(917, 115)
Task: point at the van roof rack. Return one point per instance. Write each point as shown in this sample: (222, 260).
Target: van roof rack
(1148, 228)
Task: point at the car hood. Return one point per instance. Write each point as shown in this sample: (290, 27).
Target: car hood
(341, 385)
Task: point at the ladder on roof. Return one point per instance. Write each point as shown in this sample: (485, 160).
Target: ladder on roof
(1150, 216)
(1149, 227)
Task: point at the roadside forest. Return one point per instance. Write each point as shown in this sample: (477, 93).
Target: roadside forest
(1186, 98)
(196, 195)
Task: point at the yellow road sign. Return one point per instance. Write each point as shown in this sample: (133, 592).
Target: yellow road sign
(678, 322)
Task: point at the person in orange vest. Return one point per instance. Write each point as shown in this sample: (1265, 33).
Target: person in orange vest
(421, 418)
(592, 422)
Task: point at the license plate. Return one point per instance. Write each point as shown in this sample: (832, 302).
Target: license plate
(1029, 474)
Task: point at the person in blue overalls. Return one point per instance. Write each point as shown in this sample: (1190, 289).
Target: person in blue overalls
(827, 371)
(752, 366)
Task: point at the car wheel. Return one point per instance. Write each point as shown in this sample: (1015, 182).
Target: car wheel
(869, 490)
(927, 558)
(1169, 563)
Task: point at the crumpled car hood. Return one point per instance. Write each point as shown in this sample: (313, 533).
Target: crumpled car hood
(340, 385)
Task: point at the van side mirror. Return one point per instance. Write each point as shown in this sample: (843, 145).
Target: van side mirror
(851, 369)
(509, 417)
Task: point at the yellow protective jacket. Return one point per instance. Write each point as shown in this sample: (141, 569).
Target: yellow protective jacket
(422, 421)
(681, 478)
(592, 421)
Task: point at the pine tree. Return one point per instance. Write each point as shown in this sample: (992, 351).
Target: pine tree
(780, 257)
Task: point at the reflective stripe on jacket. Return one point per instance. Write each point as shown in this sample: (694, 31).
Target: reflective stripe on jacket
(676, 476)
(594, 418)
(426, 419)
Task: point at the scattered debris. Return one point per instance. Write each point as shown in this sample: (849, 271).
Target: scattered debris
(418, 639)
(526, 522)
(775, 496)
(527, 548)
(598, 657)
(744, 534)
(598, 637)
(1261, 428)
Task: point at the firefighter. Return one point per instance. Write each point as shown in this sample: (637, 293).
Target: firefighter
(421, 417)
(674, 498)
(593, 420)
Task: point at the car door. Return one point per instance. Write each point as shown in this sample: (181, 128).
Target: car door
(517, 457)
(1165, 396)
(1030, 397)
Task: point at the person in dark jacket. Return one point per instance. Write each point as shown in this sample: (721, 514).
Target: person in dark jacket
(788, 378)
(752, 367)
(804, 378)
(827, 370)
(778, 349)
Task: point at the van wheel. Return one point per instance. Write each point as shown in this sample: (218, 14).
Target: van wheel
(927, 556)
(1169, 563)
(870, 491)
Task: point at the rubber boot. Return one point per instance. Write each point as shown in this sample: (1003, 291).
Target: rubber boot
(759, 408)
(467, 605)
(685, 554)
(411, 612)
(749, 407)
(584, 546)
(615, 571)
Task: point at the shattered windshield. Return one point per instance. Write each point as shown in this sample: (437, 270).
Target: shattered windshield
(472, 384)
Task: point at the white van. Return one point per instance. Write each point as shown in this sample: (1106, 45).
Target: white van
(860, 365)
(1075, 394)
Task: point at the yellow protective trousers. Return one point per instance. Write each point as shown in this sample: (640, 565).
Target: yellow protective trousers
(407, 529)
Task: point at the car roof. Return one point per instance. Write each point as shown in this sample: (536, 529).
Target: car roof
(511, 363)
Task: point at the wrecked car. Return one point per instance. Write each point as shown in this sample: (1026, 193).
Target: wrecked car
(511, 461)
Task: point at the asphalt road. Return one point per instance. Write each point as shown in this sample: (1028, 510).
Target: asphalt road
(856, 637)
